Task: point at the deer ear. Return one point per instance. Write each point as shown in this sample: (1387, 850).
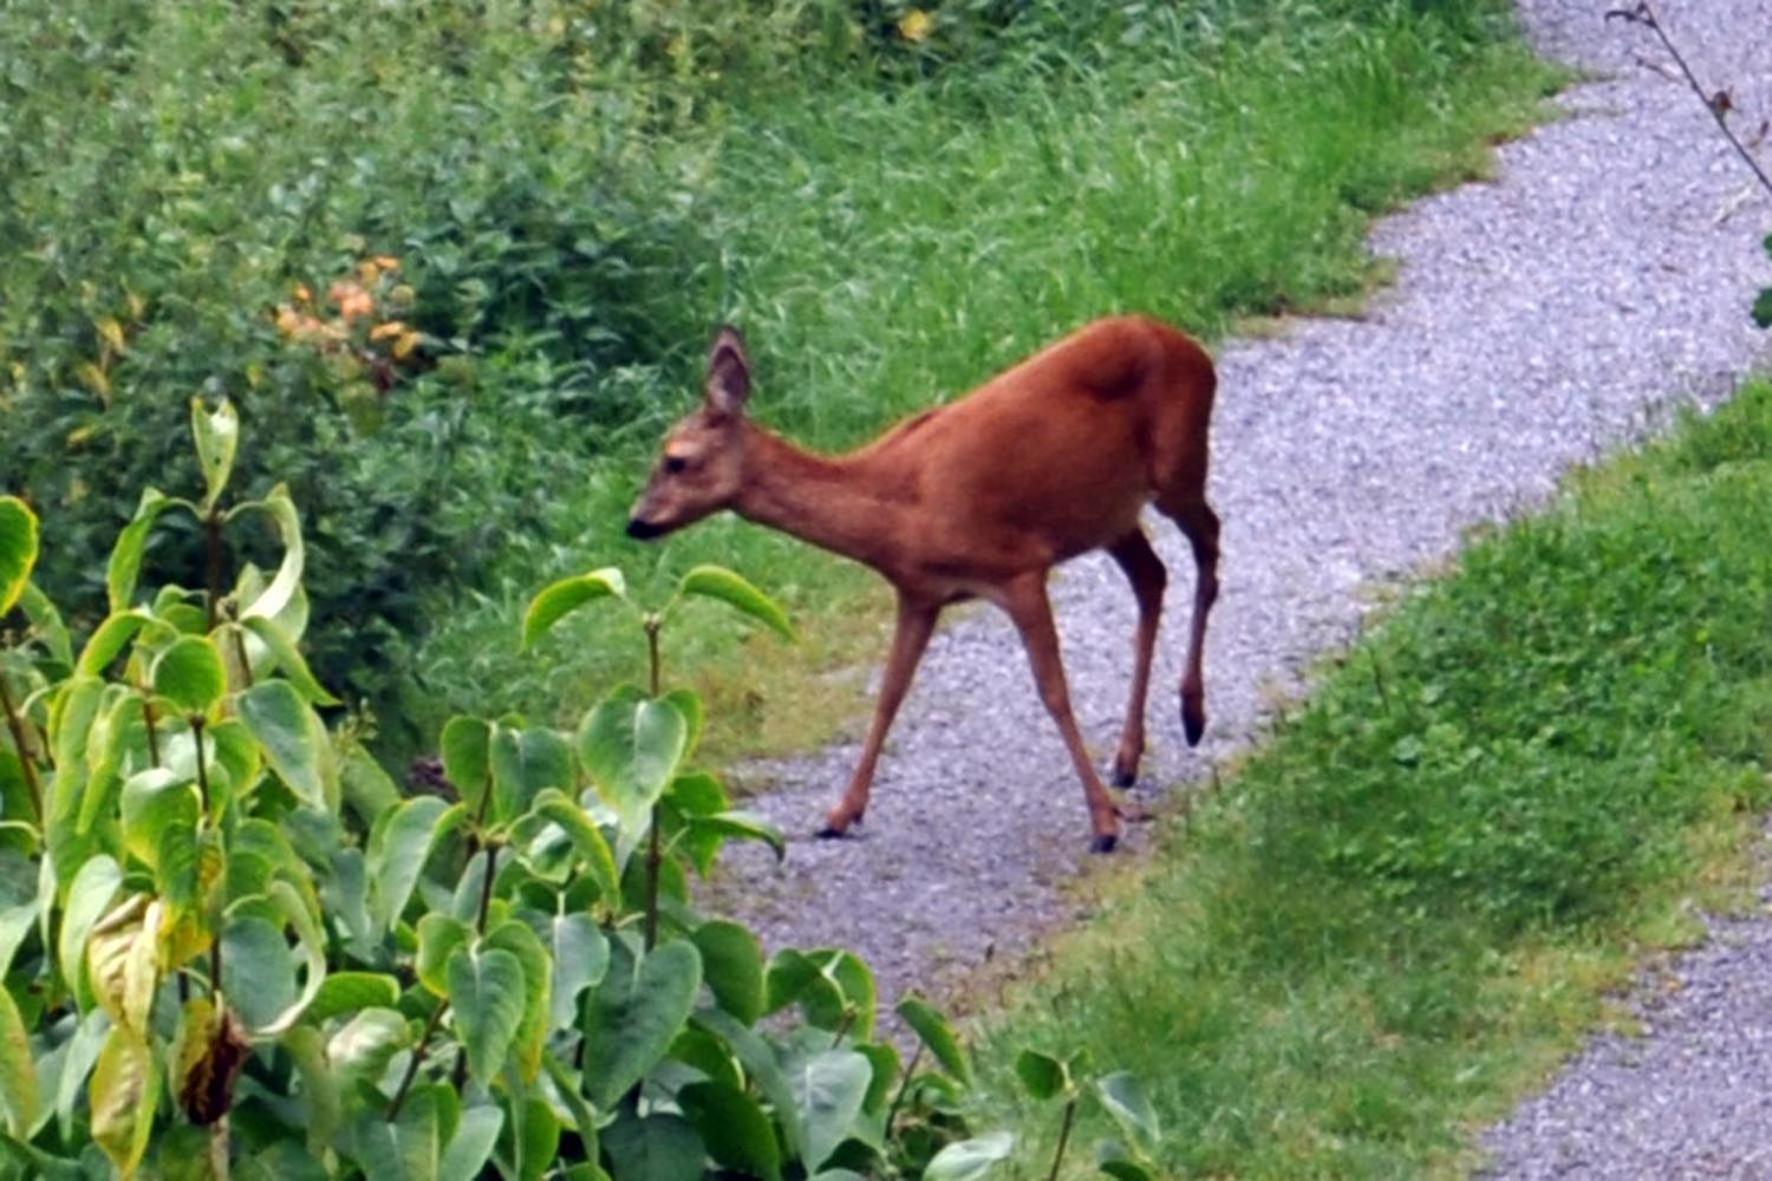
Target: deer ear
(729, 372)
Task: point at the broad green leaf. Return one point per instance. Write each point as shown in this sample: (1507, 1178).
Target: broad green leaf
(471, 1146)
(285, 1160)
(631, 746)
(567, 595)
(717, 582)
(968, 1160)
(580, 954)
(694, 714)
(734, 1128)
(933, 1030)
(732, 962)
(598, 860)
(301, 911)
(1124, 1099)
(344, 993)
(529, 1140)
(884, 1061)
(217, 436)
(398, 849)
(829, 1090)
(155, 802)
(524, 763)
(1042, 1075)
(742, 826)
(363, 1046)
(126, 556)
(657, 1148)
(15, 924)
(412, 1148)
(321, 1095)
(258, 970)
(46, 623)
(486, 996)
(38, 1165)
(286, 585)
(89, 898)
(634, 1013)
(119, 731)
(520, 940)
(1762, 311)
(294, 741)
(467, 757)
(763, 1067)
(125, 1090)
(82, 1053)
(18, 1073)
(18, 549)
(439, 935)
(368, 789)
(110, 639)
(288, 658)
(188, 672)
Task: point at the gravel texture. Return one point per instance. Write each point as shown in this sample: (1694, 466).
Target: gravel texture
(1536, 321)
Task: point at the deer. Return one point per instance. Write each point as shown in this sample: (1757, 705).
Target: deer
(979, 499)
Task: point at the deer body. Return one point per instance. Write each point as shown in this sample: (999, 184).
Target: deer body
(980, 499)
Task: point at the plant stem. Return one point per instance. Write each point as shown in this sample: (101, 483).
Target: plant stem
(1644, 14)
(215, 950)
(418, 1058)
(150, 721)
(903, 1086)
(654, 855)
(1064, 1137)
(24, 755)
(213, 568)
(486, 887)
(849, 1013)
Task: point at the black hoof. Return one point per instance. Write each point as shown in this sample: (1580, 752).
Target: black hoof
(1194, 725)
(827, 833)
(1104, 844)
(1123, 778)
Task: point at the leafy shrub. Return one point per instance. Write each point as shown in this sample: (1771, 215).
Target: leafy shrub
(232, 948)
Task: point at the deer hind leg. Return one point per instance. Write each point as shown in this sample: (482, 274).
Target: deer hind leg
(1148, 577)
(1200, 525)
(915, 623)
(1025, 601)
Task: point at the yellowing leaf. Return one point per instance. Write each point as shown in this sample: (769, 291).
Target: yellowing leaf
(384, 331)
(94, 379)
(406, 345)
(112, 333)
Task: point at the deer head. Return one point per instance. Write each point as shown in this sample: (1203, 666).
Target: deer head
(701, 464)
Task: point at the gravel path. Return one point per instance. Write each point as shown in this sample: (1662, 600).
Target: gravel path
(1536, 322)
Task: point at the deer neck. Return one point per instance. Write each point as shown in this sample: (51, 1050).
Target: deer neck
(834, 502)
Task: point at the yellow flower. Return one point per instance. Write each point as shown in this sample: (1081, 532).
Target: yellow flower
(916, 25)
(386, 262)
(404, 347)
(384, 331)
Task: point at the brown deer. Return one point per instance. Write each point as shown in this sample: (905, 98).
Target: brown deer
(980, 499)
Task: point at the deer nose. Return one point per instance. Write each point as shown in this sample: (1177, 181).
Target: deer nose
(642, 529)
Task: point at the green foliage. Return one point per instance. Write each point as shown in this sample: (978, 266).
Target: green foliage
(214, 966)
(1403, 911)
(1762, 310)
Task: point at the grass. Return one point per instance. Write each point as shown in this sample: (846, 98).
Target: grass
(886, 249)
(1406, 908)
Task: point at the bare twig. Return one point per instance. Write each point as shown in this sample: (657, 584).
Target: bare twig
(1718, 104)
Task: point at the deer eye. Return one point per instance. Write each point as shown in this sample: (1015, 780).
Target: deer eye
(675, 464)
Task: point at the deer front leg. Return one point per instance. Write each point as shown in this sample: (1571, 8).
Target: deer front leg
(1025, 601)
(916, 621)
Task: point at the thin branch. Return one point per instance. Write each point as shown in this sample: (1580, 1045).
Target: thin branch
(1718, 104)
(24, 752)
(418, 1058)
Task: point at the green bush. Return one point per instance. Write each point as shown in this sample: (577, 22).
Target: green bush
(231, 947)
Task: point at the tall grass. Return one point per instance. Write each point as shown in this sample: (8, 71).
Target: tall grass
(1406, 907)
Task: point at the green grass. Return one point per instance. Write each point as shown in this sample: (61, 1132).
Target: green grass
(886, 249)
(1404, 909)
